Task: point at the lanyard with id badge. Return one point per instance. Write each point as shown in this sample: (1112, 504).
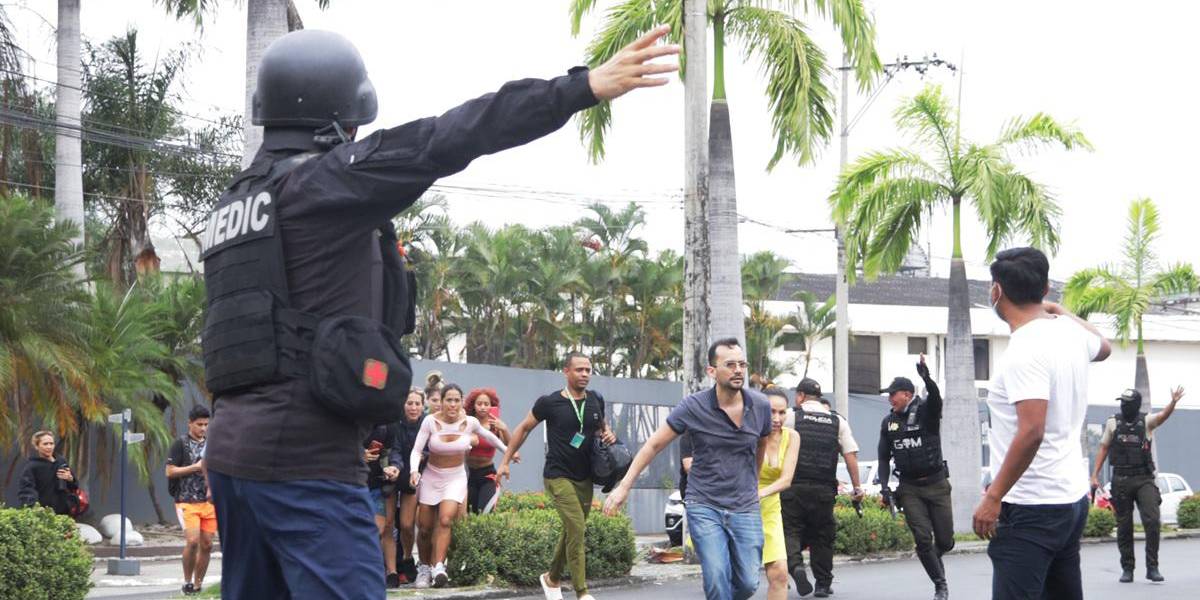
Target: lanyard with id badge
(578, 438)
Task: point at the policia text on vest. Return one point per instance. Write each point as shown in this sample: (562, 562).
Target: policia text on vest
(910, 435)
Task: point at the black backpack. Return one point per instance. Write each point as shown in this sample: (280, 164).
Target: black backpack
(609, 464)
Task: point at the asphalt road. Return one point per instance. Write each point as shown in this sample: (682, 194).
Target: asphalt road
(970, 577)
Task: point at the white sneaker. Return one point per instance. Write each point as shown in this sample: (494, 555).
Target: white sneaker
(551, 592)
(423, 576)
(440, 578)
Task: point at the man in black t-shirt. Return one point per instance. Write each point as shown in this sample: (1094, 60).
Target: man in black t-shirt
(193, 504)
(574, 416)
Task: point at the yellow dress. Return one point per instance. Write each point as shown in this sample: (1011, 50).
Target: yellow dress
(772, 515)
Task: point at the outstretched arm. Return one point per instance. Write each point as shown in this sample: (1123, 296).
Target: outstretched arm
(514, 444)
(1161, 416)
(657, 442)
(484, 433)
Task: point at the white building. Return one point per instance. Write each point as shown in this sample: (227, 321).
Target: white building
(896, 318)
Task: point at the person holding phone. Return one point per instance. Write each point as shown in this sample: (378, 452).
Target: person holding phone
(381, 483)
(482, 487)
(46, 480)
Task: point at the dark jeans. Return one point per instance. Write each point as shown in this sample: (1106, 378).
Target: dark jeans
(1140, 489)
(1035, 552)
(929, 515)
(296, 539)
(808, 521)
(481, 487)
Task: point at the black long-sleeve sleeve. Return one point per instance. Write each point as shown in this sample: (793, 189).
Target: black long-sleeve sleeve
(395, 446)
(384, 173)
(933, 406)
(27, 492)
(885, 456)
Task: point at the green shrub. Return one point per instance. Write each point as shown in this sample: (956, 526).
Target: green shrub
(876, 531)
(41, 556)
(516, 546)
(1100, 522)
(1189, 512)
(510, 502)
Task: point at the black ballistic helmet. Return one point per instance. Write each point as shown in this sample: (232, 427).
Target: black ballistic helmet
(312, 78)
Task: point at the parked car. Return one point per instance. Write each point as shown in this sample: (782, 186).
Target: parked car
(674, 518)
(1171, 486)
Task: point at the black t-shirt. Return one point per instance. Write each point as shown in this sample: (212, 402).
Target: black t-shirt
(562, 423)
(185, 452)
(329, 210)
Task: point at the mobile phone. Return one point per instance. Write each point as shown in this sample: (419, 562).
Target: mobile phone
(375, 446)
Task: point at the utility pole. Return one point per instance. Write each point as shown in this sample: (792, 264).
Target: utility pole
(697, 260)
(841, 337)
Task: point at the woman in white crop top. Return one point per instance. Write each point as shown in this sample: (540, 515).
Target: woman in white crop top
(442, 489)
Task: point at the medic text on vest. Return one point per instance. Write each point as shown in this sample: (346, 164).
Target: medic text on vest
(237, 219)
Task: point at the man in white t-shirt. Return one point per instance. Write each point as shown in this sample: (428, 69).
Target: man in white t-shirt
(1035, 510)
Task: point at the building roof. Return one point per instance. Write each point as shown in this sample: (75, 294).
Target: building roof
(892, 290)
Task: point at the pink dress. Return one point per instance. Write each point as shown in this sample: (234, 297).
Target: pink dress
(438, 484)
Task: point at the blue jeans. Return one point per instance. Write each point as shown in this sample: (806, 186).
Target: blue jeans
(729, 546)
(291, 540)
(1035, 552)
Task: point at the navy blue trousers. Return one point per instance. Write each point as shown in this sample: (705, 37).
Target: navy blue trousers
(1035, 552)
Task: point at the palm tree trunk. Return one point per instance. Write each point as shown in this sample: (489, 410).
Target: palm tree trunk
(727, 312)
(960, 416)
(68, 151)
(266, 21)
(1141, 374)
(697, 259)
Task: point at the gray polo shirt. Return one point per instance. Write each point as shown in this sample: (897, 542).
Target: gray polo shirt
(724, 457)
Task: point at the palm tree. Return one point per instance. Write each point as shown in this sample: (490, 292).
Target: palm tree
(121, 91)
(881, 198)
(809, 324)
(653, 321)
(795, 67)
(1126, 291)
(68, 153)
(43, 368)
(762, 275)
(613, 238)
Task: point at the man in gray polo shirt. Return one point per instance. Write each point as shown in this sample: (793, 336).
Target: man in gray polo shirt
(728, 425)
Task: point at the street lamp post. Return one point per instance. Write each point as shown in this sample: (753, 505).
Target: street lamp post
(123, 565)
(841, 338)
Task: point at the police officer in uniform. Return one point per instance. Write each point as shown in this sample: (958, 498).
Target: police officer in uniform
(911, 436)
(807, 505)
(1126, 443)
(308, 294)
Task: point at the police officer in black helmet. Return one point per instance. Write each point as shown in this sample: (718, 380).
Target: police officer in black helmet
(1126, 443)
(308, 295)
(911, 436)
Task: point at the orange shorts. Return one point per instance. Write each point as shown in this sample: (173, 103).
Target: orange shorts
(197, 515)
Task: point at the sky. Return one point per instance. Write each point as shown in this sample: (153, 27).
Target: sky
(1121, 75)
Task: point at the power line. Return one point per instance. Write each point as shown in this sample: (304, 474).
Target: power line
(82, 90)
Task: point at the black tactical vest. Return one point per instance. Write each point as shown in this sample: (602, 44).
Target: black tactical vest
(253, 336)
(1129, 452)
(819, 447)
(916, 452)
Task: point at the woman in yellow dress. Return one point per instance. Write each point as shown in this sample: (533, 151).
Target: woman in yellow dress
(779, 463)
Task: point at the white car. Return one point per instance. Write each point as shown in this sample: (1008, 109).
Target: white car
(1173, 488)
(868, 478)
(674, 518)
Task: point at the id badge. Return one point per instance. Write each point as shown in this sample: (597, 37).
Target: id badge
(577, 440)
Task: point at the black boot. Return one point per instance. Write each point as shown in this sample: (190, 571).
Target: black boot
(803, 587)
(1126, 576)
(937, 573)
(1153, 575)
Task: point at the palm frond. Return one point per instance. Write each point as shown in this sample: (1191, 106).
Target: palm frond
(795, 68)
(1178, 279)
(861, 176)
(932, 119)
(1008, 202)
(623, 24)
(896, 231)
(1092, 291)
(1027, 134)
(578, 10)
(1140, 258)
(856, 27)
